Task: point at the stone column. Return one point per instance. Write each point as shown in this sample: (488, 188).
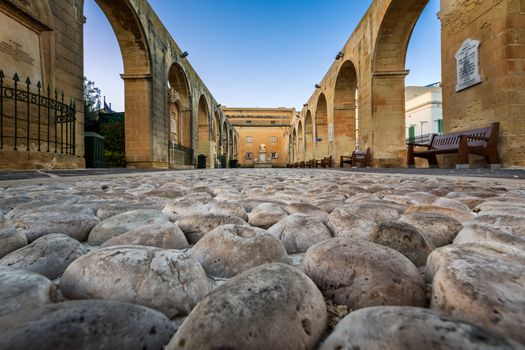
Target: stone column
(385, 132)
(138, 135)
(344, 130)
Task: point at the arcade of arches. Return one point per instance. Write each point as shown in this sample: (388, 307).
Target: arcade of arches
(359, 103)
(361, 100)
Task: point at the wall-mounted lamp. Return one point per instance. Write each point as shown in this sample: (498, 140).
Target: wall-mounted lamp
(184, 54)
(339, 55)
(305, 105)
(317, 86)
(219, 105)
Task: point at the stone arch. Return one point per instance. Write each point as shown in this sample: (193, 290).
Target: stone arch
(321, 127)
(345, 110)
(308, 136)
(291, 146)
(216, 134)
(235, 146)
(300, 141)
(136, 57)
(394, 34)
(225, 141)
(230, 142)
(179, 107)
(204, 133)
(385, 133)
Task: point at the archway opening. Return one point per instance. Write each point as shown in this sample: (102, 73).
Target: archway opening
(308, 136)
(131, 131)
(216, 140)
(300, 141)
(345, 111)
(204, 146)
(321, 127)
(179, 117)
(397, 110)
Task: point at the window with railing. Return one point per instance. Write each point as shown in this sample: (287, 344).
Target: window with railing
(249, 155)
(34, 117)
(249, 139)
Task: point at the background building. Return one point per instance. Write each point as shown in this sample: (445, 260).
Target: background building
(261, 126)
(424, 111)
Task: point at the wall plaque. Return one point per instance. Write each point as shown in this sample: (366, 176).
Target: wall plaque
(19, 50)
(467, 59)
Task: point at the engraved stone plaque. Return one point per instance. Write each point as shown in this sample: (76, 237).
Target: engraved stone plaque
(467, 59)
(19, 50)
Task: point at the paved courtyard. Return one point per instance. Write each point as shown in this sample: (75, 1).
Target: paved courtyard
(243, 258)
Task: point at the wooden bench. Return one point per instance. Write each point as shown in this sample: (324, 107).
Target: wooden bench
(482, 141)
(360, 157)
(326, 162)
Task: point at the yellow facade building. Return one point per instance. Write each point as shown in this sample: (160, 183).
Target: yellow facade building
(262, 135)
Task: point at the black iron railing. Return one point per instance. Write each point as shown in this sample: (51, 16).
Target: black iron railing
(35, 121)
(421, 139)
(181, 155)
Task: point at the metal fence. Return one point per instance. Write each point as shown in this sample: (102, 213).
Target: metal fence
(37, 120)
(181, 155)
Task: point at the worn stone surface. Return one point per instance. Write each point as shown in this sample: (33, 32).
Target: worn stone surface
(404, 238)
(167, 280)
(122, 223)
(229, 207)
(298, 232)
(274, 306)
(377, 210)
(479, 232)
(265, 215)
(459, 215)
(343, 222)
(49, 255)
(231, 249)
(22, 289)
(164, 235)
(400, 328)
(482, 284)
(11, 238)
(357, 204)
(74, 222)
(358, 273)
(196, 226)
(308, 209)
(438, 228)
(87, 324)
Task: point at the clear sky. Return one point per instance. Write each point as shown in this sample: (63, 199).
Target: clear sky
(256, 53)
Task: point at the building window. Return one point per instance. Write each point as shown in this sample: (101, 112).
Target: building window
(275, 155)
(249, 139)
(273, 139)
(248, 122)
(249, 155)
(273, 122)
(412, 134)
(440, 126)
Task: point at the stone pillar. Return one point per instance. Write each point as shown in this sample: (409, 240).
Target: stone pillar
(385, 133)
(344, 130)
(138, 135)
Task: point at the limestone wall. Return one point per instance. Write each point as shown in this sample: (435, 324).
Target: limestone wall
(500, 27)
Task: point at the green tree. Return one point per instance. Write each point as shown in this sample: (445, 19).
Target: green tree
(91, 101)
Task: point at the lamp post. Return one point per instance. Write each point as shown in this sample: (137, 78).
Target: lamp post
(422, 123)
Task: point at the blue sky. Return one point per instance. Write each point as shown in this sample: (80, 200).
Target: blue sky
(256, 53)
